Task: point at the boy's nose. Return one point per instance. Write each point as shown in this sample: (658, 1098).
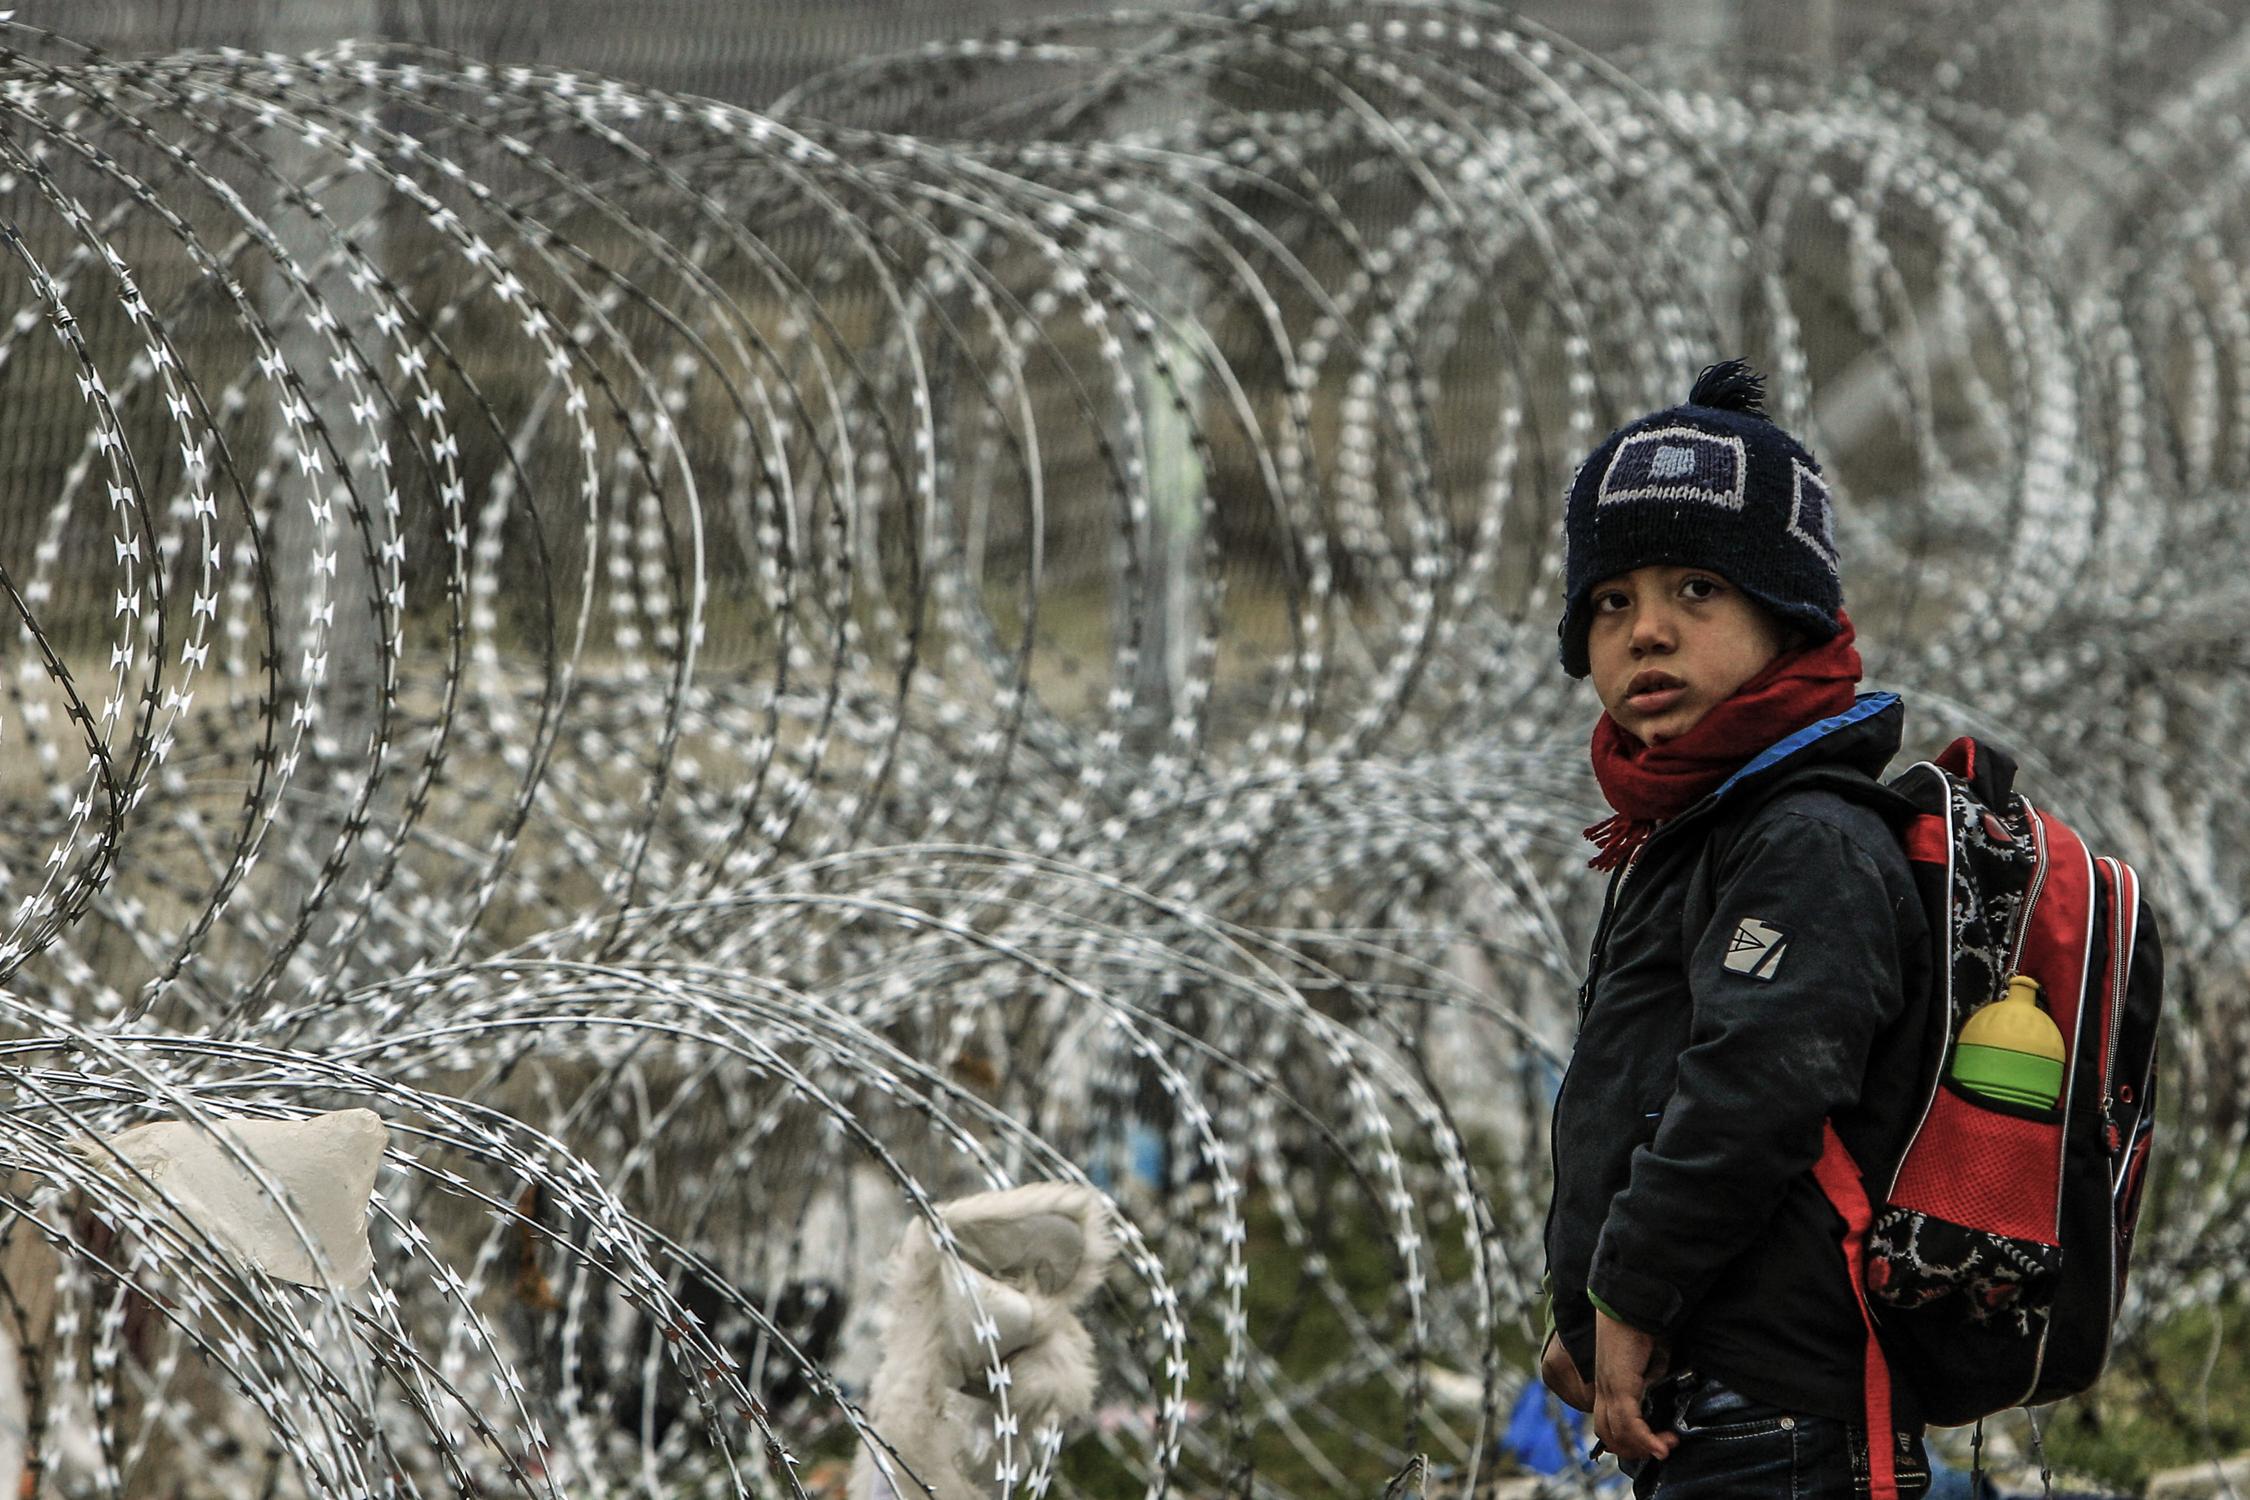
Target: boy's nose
(1652, 631)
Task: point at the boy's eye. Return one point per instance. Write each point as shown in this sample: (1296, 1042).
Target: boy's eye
(1700, 589)
(1608, 602)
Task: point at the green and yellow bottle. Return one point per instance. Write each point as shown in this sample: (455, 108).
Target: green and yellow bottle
(2011, 1051)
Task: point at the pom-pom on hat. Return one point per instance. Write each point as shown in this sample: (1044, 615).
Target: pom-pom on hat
(1709, 484)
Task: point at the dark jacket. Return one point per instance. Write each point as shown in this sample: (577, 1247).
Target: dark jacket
(1762, 965)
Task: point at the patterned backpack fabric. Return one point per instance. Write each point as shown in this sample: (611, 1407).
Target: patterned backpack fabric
(1994, 1262)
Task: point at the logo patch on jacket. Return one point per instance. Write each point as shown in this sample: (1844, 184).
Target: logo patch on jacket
(1756, 949)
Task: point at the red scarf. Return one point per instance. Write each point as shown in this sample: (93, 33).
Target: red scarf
(1650, 783)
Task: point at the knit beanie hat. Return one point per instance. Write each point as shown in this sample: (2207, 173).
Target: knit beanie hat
(1710, 484)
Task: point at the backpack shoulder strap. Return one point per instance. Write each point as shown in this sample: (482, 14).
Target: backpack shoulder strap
(1846, 1191)
(1989, 769)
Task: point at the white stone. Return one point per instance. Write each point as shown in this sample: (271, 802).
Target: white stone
(2196, 1481)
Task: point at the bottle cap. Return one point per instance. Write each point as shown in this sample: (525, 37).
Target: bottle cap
(2016, 1023)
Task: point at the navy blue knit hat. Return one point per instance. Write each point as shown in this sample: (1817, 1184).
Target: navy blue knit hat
(1710, 484)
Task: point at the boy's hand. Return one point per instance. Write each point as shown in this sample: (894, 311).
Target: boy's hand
(1559, 1373)
(1626, 1361)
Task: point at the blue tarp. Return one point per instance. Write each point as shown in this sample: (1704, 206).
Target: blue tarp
(1539, 1429)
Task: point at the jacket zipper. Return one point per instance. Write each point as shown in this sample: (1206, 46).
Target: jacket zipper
(1594, 960)
(1585, 1000)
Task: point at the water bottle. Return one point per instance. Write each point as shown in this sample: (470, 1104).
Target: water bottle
(2011, 1051)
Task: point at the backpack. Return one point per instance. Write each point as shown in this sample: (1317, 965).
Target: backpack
(1996, 1259)
(1992, 1264)
(1990, 1269)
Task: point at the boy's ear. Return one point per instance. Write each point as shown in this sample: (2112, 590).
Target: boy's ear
(1792, 634)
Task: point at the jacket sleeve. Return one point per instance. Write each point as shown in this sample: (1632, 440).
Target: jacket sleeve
(1792, 978)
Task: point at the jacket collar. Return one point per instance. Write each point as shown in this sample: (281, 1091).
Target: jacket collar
(1862, 738)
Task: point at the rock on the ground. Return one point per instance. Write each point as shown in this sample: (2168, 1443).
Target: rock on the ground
(2226, 1477)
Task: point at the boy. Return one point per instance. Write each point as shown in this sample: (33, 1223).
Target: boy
(1761, 969)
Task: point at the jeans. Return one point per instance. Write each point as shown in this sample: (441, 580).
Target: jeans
(1734, 1448)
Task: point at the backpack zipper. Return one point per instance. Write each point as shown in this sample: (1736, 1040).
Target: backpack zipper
(2120, 962)
(2143, 1127)
(2023, 937)
(2031, 891)
(2120, 958)
(2023, 932)
(1941, 977)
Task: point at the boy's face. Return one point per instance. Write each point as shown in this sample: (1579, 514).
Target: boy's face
(1669, 644)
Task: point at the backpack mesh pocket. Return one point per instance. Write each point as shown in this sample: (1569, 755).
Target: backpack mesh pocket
(1971, 1164)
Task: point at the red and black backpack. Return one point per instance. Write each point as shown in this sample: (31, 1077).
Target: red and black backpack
(1995, 1258)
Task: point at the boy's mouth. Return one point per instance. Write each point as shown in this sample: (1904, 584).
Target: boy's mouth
(1652, 691)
